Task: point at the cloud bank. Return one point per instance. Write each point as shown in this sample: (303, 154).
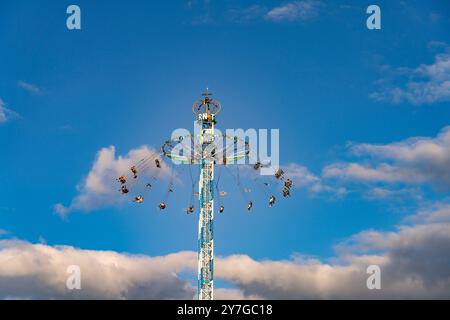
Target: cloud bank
(38, 271)
(415, 161)
(413, 259)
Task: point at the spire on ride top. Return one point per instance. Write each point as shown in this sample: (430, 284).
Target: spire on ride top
(206, 108)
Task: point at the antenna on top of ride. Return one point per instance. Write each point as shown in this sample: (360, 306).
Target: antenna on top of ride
(206, 93)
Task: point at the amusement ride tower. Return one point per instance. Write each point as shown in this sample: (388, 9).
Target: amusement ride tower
(207, 149)
(206, 110)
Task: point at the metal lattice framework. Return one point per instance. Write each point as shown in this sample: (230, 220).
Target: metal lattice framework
(202, 150)
(206, 219)
(206, 111)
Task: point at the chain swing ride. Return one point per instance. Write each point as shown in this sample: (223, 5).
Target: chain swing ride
(206, 149)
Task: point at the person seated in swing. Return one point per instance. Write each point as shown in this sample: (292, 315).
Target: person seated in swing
(221, 208)
(288, 183)
(272, 200)
(158, 164)
(190, 210)
(249, 205)
(162, 206)
(279, 174)
(134, 171)
(122, 180)
(124, 189)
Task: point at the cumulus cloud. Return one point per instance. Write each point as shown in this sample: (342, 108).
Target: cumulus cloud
(382, 193)
(38, 271)
(413, 259)
(414, 263)
(394, 171)
(292, 279)
(425, 84)
(418, 160)
(302, 177)
(294, 11)
(437, 213)
(5, 113)
(366, 173)
(415, 255)
(31, 88)
(100, 188)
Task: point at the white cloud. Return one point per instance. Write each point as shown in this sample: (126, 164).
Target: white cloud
(300, 175)
(425, 84)
(431, 150)
(437, 213)
(291, 279)
(414, 253)
(366, 173)
(100, 187)
(294, 11)
(38, 271)
(380, 193)
(5, 113)
(31, 88)
(394, 171)
(418, 160)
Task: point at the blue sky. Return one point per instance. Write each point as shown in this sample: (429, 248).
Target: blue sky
(337, 91)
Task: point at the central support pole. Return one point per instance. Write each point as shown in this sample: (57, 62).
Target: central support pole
(206, 219)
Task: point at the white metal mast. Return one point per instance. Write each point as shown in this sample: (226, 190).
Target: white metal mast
(206, 197)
